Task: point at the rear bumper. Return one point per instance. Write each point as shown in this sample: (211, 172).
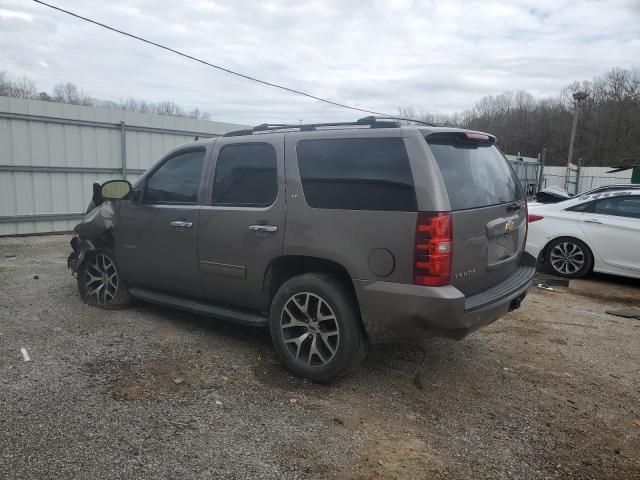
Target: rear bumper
(395, 312)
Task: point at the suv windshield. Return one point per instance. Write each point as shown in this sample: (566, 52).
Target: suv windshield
(476, 174)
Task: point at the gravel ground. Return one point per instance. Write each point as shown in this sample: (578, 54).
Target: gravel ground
(550, 391)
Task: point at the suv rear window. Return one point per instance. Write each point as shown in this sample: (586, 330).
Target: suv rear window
(476, 174)
(357, 174)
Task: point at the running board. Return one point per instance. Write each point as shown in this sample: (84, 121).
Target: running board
(198, 306)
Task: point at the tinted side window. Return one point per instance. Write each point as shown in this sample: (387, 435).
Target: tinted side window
(583, 207)
(177, 180)
(619, 206)
(246, 176)
(357, 174)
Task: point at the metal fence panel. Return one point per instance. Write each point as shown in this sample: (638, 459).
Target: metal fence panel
(590, 177)
(528, 171)
(51, 153)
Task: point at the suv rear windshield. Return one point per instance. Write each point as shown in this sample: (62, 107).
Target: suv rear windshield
(476, 174)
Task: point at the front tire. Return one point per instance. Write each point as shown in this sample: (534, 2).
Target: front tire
(100, 283)
(315, 327)
(568, 257)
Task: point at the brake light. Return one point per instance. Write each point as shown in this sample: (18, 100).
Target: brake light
(479, 137)
(532, 217)
(433, 249)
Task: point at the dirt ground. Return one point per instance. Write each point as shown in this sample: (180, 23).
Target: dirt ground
(552, 391)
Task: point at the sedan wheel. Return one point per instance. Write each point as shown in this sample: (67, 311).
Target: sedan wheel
(569, 257)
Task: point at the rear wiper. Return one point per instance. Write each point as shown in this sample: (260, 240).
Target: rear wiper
(514, 207)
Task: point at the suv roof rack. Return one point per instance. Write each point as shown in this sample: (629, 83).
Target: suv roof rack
(371, 122)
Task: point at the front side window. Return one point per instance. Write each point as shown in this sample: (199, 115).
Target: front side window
(177, 181)
(246, 176)
(619, 206)
(357, 174)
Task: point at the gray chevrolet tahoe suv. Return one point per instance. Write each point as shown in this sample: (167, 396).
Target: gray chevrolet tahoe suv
(333, 235)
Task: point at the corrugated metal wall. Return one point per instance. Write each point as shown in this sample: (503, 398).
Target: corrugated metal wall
(528, 171)
(590, 177)
(51, 153)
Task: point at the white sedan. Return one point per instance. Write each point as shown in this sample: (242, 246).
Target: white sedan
(599, 232)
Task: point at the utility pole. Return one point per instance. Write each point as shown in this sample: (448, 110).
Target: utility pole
(578, 97)
(541, 159)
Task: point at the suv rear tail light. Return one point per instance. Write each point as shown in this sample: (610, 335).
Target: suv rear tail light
(432, 254)
(532, 217)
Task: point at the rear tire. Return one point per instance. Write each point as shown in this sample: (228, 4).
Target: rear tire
(568, 257)
(100, 283)
(315, 327)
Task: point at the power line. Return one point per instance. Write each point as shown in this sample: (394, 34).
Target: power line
(218, 67)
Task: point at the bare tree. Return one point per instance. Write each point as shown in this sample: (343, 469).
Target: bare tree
(65, 93)
(69, 93)
(608, 130)
(20, 88)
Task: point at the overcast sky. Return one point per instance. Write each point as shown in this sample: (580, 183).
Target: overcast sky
(437, 56)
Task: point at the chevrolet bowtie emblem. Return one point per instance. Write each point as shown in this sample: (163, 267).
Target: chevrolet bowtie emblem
(509, 226)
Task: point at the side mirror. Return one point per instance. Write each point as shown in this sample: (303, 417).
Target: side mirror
(115, 189)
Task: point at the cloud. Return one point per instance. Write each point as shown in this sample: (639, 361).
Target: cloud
(15, 14)
(380, 55)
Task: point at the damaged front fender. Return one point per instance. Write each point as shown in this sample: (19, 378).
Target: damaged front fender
(92, 227)
(80, 248)
(96, 222)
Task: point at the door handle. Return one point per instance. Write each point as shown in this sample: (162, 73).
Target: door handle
(181, 224)
(592, 220)
(263, 228)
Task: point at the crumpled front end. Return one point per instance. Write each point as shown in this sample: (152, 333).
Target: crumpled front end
(94, 225)
(80, 248)
(96, 222)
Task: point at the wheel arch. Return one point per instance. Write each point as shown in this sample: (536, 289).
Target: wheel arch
(283, 268)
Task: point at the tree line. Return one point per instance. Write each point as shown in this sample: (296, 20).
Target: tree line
(71, 94)
(608, 131)
(607, 134)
